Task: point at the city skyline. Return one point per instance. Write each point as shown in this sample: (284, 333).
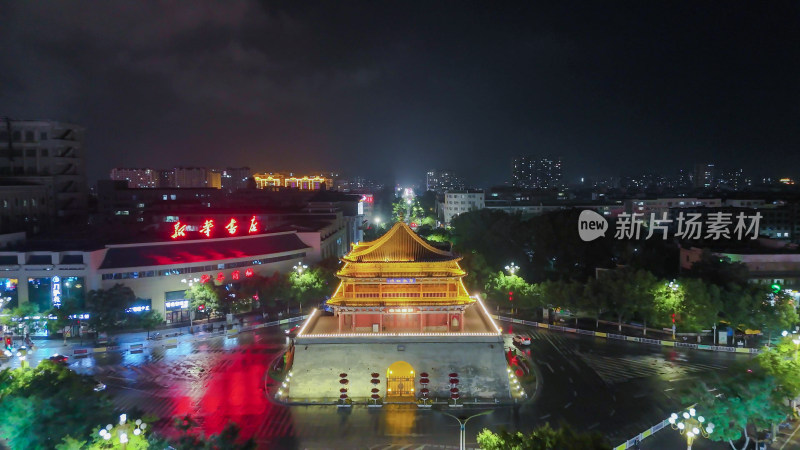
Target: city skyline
(611, 89)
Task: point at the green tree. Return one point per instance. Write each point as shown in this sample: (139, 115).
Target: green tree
(108, 307)
(542, 438)
(62, 317)
(227, 439)
(149, 320)
(525, 295)
(308, 286)
(43, 405)
(477, 269)
(738, 405)
(719, 270)
(625, 292)
(204, 297)
(782, 363)
(20, 316)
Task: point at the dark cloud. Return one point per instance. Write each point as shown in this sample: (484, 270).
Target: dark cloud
(392, 89)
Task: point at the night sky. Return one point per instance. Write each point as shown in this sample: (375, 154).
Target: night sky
(389, 89)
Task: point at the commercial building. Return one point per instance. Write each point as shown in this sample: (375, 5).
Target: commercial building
(537, 173)
(458, 202)
(765, 265)
(441, 181)
(50, 154)
(158, 272)
(305, 182)
(136, 178)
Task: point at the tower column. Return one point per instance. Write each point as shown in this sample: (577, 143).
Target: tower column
(461, 321)
(421, 321)
(381, 322)
(353, 320)
(341, 321)
(448, 321)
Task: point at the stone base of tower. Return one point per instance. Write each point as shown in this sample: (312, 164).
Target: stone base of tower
(479, 362)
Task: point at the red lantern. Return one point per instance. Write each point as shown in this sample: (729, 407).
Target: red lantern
(375, 396)
(375, 375)
(424, 381)
(454, 390)
(342, 375)
(343, 381)
(374, 381)
(453, 380)
(343, 396)
(375, 390)
(454, 396)
(424, 391)
(424, 374)
(343, 390)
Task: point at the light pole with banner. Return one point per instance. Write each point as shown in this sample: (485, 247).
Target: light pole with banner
(691, 425)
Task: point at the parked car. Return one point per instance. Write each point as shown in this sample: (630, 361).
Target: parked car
(522, 340)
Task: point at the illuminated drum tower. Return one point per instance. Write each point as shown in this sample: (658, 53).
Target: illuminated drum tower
(401, 310)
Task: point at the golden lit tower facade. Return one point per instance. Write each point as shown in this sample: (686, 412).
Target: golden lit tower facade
(400, 283)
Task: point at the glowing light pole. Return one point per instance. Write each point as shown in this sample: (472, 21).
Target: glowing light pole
(691, 425)
(674, 286)
(462, 422)
(512, 269)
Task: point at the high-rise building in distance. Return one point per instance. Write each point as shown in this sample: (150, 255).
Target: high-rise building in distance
(537, 173)
(704, 175)
(136, 178)
(443, 180)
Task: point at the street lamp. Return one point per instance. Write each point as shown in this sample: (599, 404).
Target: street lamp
(300, 267)
(462, 422)
(674, 286)
(512, 269)
(692, 425)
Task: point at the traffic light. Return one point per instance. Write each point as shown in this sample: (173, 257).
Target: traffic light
(9, 345)
(510, 296)
(673, 318)
(201, 308)
(776, 288)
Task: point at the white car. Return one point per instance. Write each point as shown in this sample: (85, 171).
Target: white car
(522, 340)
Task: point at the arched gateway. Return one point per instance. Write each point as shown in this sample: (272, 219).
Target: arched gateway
(400, 380)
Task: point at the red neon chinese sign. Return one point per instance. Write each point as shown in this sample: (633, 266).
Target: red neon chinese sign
(253, 225)
(205, 278)
(220, 277)
(231, 226)
(235, 275)
(207, 226)
(180, 231)
(248, 273)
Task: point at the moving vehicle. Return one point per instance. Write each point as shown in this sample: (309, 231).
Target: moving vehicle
(522, 340)
(292, 332)
(59, 359)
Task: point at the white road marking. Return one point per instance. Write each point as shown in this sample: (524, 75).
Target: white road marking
(545, 416)
(550, 367)
(567, 405)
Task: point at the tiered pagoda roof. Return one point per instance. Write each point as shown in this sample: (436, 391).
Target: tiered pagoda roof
(399, 244)
(400, 257)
